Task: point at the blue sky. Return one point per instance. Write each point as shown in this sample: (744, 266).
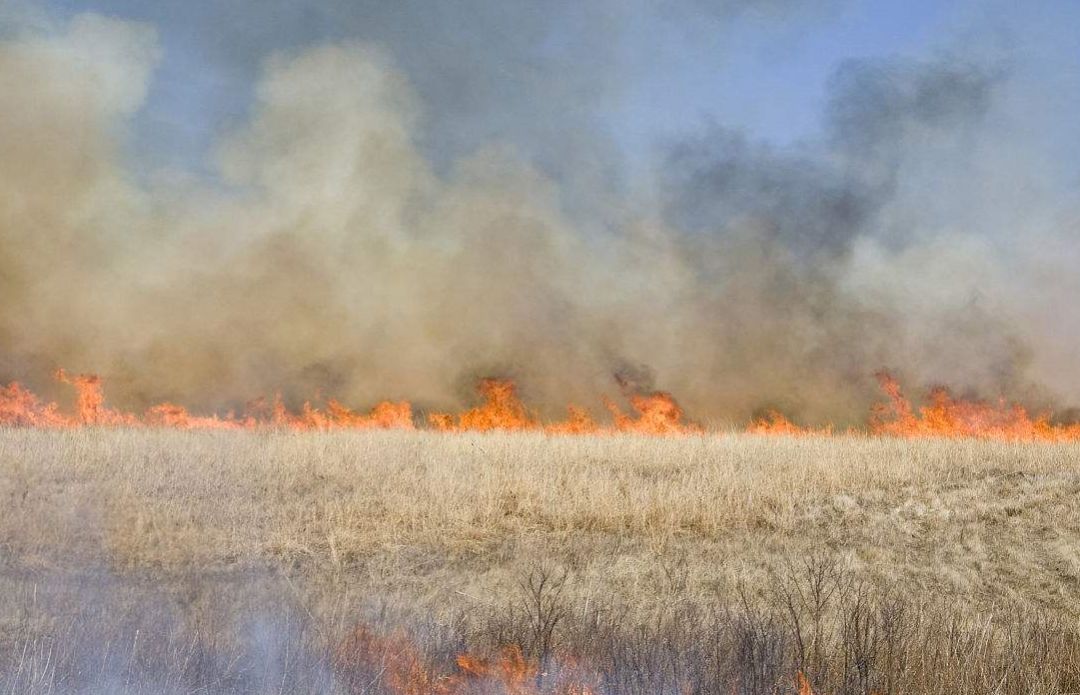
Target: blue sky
(631, 76)
(769, 78)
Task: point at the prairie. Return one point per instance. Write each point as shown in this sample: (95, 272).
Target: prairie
(448, 535)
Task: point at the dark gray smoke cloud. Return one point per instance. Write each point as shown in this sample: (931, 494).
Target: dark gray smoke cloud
(821, 198)
(872, 227)
(344, 253)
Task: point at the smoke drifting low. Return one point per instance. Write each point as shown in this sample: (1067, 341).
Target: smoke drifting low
(926, 231)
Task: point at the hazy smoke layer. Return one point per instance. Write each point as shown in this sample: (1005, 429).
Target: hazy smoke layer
(924, 232)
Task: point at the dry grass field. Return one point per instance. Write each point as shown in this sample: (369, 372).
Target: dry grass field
(471, 542)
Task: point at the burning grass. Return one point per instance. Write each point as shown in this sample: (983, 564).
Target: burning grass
(501, 410)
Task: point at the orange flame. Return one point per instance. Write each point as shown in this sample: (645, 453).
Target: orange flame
(20, 407)
(90, 401)
(944, 416)
(657, 414)
(774, 422)
(501, 409)
(365, 659)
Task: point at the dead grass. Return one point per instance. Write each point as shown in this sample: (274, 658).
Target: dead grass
(685, 564)
(979, 520)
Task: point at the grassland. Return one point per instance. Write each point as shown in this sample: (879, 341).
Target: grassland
(444, 532)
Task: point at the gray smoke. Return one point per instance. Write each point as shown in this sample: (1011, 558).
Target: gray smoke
(337, 248)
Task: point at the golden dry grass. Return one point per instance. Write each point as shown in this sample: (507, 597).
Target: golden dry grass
(642, 519)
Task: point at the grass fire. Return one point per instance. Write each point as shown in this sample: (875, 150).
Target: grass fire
(654, 414)
(496, 347)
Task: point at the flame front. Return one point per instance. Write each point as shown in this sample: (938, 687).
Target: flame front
(776, 422)
(945, 416)
(942, 416)
(501, 409)
(654, 414)
(20, 407)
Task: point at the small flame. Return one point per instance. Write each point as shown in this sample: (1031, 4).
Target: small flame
(657, 414)
(776, 423)
(366, 658)
(501, 410)
(90, 401)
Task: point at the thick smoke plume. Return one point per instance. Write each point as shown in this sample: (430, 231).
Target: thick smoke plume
(924, 231)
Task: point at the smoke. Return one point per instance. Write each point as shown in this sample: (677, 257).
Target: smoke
(93, 631)
(332, 251)
(543, 77)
